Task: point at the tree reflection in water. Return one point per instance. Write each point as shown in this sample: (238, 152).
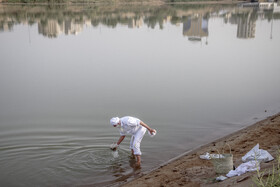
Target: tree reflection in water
(65, 19)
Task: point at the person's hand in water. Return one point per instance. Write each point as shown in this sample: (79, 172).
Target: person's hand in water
(114, 146)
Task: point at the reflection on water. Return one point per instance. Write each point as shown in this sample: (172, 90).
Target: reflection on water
(246, 25)
(59, 91)
(196, 27)
(54, 21)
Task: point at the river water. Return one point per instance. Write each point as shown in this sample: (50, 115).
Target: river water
(193, 72)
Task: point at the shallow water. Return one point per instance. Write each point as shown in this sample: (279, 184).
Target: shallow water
(193, 72)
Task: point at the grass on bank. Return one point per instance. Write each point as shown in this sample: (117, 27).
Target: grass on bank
(269, 178)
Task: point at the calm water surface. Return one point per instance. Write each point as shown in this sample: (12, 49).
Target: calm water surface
(193, 72)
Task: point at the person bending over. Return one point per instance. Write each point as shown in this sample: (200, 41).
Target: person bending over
(131, 126)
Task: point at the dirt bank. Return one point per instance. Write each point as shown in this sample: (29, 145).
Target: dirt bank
(190, 170)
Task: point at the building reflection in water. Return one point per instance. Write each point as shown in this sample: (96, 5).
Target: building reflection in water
(135, 23)
(246, 26)
(196, 28)
(6, 27)
(195, 23)
(52, 28)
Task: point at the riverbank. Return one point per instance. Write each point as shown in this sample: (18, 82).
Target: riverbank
(121, 2)
(190, 170)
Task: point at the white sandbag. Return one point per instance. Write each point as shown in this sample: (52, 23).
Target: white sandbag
(257, 154)
(243, 168)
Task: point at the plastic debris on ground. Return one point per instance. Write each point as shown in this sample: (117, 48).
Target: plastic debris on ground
(221, 178)
(208, 156)
(251, 160)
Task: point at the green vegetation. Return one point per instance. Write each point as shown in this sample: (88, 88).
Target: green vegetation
(270, 178)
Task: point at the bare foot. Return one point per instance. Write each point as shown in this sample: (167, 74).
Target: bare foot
(137, 165)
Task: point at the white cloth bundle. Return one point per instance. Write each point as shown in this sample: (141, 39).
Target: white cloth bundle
(257, 154)
(243, 168)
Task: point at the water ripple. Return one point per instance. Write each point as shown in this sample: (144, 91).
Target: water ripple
(64, 158)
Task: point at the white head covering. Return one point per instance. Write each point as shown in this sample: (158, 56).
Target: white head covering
(115, 121)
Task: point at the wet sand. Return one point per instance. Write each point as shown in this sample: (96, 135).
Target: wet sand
(190, 170)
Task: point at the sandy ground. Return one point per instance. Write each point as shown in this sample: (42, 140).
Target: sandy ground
(190, 170)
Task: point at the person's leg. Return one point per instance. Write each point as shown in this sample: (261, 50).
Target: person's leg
(131, 145)
(136, 145)
(138, 160)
